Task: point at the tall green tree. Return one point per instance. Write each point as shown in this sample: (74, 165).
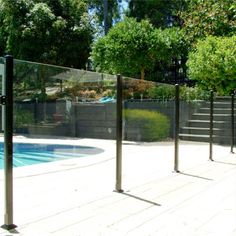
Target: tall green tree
(202, 18)
(133, 48)
(160, 13)
(213, 64)
(128, 48)
(57, 32)
(164, 15)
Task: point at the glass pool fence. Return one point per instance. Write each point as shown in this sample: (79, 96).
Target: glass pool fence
(65, 102)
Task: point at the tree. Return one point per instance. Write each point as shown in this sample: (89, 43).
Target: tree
(128, 48)
(177, 49)
(213, 64)
(107, 12)
(209, 17)
(57, 32)
(133, 47)
(3, 36)
(160, 13)
(164, 15)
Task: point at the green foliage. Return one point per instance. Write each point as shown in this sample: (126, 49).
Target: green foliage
(132, 47)
(209, 17)
(160, 13)
(56, 32)
(193, 93)
(213, 64)
(23, 118)
(128, 48)
(165, 92)
(175, 42)
(153, 126)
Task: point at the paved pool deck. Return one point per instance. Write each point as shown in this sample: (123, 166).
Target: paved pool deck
(76, 198)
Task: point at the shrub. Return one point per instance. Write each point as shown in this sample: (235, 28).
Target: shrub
(87, 93)
(193, 93)
(136, 88)
(213, 64)
(108, 93)
(152, 126)
(165, 92)
(23, 118)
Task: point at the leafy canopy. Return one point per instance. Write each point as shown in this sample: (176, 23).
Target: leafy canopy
(160, 13)
(213, 64)
(57, 32)
(132, 47)
(209, 17)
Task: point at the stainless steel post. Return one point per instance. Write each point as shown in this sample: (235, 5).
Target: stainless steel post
(2, 73)
(176, 161)
(211, 126)
(232, 123)
(7, 101)
(119, 134)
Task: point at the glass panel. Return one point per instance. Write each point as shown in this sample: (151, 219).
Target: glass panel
(57, 105)
(59, 101)
(194, 114)
(148, 110)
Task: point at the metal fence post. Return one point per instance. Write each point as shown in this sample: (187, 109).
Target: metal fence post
(119, 134)
(232, 123)
(176, 161)
(211, 125)
(8, 144)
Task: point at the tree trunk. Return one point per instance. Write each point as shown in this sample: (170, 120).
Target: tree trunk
(106, 26)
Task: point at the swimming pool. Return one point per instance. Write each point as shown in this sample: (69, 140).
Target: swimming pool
(35, 153)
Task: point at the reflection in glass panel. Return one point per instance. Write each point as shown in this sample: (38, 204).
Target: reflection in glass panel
(59, 101)
(148, 110)
(194, 114)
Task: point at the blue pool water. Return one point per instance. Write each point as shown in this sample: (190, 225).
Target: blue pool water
(31, 153)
